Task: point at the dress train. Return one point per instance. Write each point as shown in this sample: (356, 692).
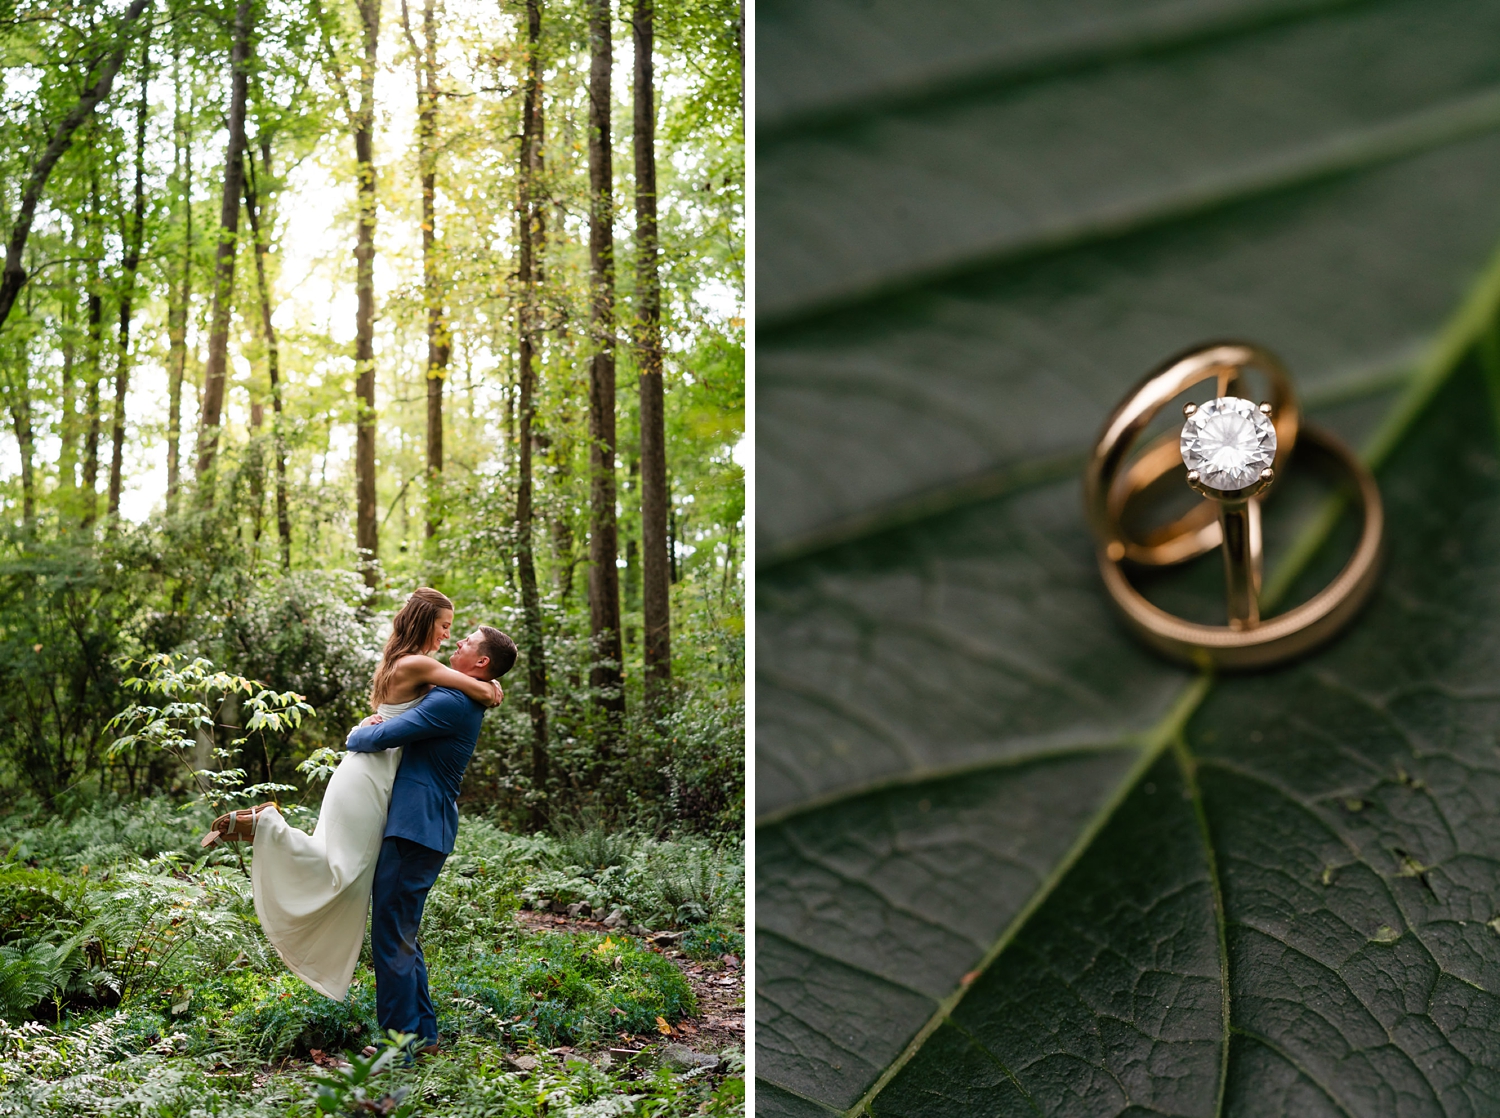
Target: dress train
(312, 892)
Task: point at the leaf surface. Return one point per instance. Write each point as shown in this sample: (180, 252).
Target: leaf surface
(1008, 861)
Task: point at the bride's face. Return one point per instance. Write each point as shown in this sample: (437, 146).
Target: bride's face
(440, 629)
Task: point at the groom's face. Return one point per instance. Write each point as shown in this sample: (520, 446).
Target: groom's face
(466, 657)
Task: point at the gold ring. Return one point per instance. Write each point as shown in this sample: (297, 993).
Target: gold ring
(1247, 641)
(1197, 532)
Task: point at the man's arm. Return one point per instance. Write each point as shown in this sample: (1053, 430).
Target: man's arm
(438, 715)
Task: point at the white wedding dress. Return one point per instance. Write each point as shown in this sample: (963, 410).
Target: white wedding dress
(312, 892)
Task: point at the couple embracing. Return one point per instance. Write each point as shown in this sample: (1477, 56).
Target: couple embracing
(388, 822)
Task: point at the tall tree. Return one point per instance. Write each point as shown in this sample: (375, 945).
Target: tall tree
(656, 598)
(529, 220)
(180, 294)
(367, 538)
(16, 382)
(99, 79)
(67, 427)
(20, 416)
(95, 368)
(254, 199)
(132, 236)
(604, 579)
(439, 349)
(229, 225)
(361, 122)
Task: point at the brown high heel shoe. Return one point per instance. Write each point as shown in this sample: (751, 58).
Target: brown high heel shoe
(236, 826)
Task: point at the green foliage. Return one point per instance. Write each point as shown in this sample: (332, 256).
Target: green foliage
(106, 831)
(657, 883)
(705, 763)
(712, 941)
(684, 771)
(65, 616)
(343, 1091)
(558, 988)
(476, 1084)
(1055, 874)
(309, 632)
(692, 883)
(587, 843)
(155, 984)
(197, 701)
(285, 1017)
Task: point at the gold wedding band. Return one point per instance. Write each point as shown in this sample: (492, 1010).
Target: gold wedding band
(1228, 517)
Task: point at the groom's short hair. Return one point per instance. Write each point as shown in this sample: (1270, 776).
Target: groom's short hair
(499, 648)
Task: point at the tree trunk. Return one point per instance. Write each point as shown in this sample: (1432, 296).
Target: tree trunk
(273, 358)
(20, 417)
(528, 211)
(439, 346)
(179, 297)
(67, 427)
(229, 226)
(656, 604)
(99, 79)
(604, 579)
(132, 238)
(95, 371)
(90, 487)
(367, 538)
(18, 402)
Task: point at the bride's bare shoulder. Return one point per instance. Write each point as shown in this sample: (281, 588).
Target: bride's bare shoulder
(410, 678)
(413, 665)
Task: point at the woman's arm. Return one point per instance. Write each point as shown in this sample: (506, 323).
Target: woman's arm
(424, 669)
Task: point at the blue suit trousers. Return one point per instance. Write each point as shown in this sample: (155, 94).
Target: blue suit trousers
(403, 876)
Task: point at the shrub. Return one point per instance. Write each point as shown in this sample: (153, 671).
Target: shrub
(705, 766)
(559, 988)
(107, 831)
(661, 884)
(712, 941)
(586, 843)
(284, 1017)
(693, 883)
(305, 631)
(476, 895)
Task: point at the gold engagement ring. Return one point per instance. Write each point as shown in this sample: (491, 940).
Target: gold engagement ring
(1232, 449)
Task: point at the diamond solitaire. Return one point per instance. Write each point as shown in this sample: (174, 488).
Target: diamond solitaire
(1228, 442)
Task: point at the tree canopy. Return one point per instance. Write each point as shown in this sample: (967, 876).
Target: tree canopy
(301, 310)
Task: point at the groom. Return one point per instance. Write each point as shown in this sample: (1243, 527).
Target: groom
(438, 734)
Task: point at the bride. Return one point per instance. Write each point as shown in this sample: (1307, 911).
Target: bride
(312, 892)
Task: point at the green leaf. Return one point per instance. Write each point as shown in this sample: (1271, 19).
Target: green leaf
(1009, 862)
(1045, 241)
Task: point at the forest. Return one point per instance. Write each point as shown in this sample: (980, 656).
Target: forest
(306, 304)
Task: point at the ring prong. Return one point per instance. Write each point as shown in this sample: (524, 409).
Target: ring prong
(1265, 407)
(1267, 474)
(1188, 409)
(1192, 476)
(1115, 550)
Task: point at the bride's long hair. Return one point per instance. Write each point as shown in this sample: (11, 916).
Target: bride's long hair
(411, 629)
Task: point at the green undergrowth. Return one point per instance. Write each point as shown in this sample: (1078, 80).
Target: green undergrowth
(553, 989)
(95, 1070)
(712, 941)
(134, 978)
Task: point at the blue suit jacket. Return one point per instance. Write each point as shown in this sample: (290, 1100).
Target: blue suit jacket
(438, 734)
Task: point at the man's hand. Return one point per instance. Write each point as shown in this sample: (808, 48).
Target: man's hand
(499, 693)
